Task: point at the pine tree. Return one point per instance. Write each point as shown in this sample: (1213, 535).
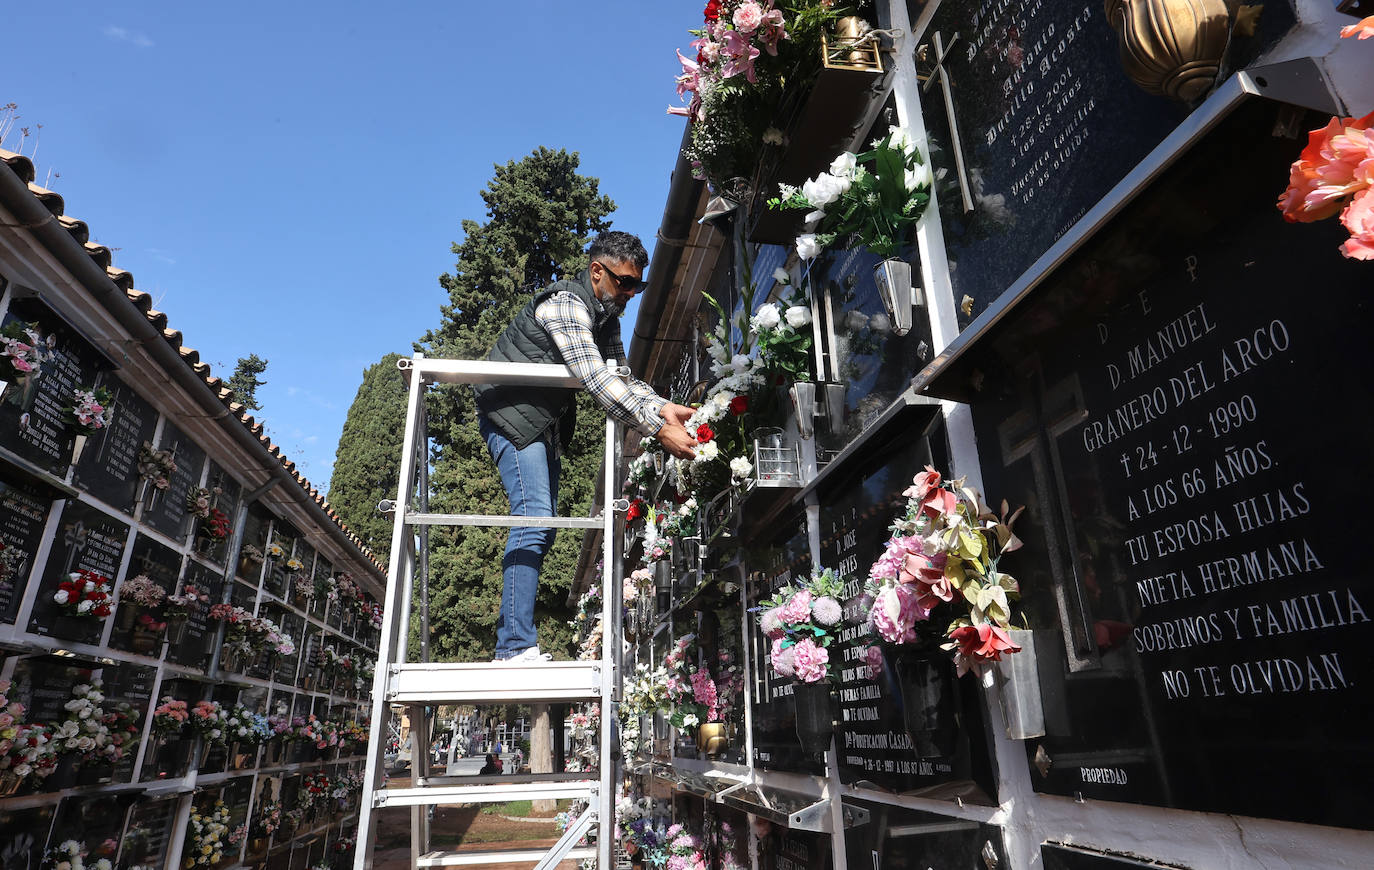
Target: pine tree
(244, 381)
(367, 461)
(541, 214)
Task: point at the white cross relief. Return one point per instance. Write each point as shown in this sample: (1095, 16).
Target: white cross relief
(941, 75)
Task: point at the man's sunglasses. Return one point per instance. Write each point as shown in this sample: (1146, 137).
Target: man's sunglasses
(628, 283)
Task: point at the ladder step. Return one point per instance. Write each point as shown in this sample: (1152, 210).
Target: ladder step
(485, 793)
(502, 520)
(498, 856)
(450, 683)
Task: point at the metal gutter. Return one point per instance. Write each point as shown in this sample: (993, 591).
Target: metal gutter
(43, 224)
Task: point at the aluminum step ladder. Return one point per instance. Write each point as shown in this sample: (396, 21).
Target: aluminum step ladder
(418, 687)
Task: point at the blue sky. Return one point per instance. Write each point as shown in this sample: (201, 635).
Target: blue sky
(286, 179)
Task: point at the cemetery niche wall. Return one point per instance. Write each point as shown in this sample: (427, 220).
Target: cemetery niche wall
(1182, 407)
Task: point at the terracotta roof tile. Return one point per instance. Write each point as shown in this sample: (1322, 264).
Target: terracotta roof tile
(23, 167)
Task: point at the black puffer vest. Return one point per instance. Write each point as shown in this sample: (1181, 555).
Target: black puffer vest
(524, 414)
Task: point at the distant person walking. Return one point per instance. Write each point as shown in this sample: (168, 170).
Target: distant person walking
(492, 767)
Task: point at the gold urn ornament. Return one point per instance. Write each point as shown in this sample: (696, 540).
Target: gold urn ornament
(1171, 47)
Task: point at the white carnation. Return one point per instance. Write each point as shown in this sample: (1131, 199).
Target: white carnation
(741, 468)
(767, 317)
(707, 452)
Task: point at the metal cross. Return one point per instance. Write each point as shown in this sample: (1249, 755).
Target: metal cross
(940, 74)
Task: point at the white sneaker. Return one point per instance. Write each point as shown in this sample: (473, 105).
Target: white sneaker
(530, 655)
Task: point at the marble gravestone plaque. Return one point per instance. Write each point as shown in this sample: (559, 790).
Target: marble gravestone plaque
(193, 651)
(108, 468)
(1184, 409)
(148, 833)
(913, 726)
(165, 509)
(23, 836)
(32, 423)
(87, 539)
(1047, 122)
(786, 560)
(24, 509)
(224, 497)
(131, 685)
(43, 684)
(786, 849)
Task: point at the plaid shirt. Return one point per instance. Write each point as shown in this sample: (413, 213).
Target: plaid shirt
(628, 400)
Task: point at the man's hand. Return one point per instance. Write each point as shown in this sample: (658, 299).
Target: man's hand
(675, 413)
(676, 440)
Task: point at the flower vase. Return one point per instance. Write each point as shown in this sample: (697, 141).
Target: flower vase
(274, 751)
(229, 658)
(713, 737)
(925, 678)
(815, 720)
(204, 758)
(127, 617)
(144, 640)
(9, 782)
(663, 585)
(257, 845)
(64, 775)
(98, 773)
(176, 628)
(78, 447)
(1018, 681)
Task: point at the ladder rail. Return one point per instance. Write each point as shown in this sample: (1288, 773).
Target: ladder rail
(392, 627)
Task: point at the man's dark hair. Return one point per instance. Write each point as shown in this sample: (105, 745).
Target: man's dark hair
(620, 248)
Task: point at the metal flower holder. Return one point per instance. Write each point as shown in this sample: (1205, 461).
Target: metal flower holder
(776, 464)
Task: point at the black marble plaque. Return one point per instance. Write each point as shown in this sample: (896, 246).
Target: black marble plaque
(43, 684)
(131, 685)
(24, 509)
(1047, 122)
(148, 833)
(294, 626)
(786, 560)
(914, 727)
(87, 539)
(785, 849)
(31, 415)
(1056, 857)
(193, 650)
(224, 496)
(108, 468)
(161, 564)
(23, 836)
(1183, 407)
(165, 509)
(254, 551)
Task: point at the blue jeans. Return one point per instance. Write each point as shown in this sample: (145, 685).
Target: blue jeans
(530, 477)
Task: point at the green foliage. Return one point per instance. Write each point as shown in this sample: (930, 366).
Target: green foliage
(367, 461)
(244, 381)
(541, 214)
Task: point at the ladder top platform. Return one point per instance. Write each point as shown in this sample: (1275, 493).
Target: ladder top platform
(481, 371)
(445, 683)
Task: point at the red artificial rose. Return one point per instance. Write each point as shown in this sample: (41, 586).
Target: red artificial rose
(704, 433)
(739, 404)
(636, 510)
(712, 11)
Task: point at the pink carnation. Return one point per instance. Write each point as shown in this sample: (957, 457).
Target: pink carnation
(873, 657)
(797, 609)
(748, 16)
(810, 661)
(895, 613)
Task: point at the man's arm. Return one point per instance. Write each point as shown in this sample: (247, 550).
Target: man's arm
(569, 324)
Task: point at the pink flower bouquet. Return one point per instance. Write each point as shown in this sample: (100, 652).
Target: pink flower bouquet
(943, 555)
(802, 622)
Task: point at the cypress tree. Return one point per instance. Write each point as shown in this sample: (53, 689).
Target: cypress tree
(367, 461)
(541, 214)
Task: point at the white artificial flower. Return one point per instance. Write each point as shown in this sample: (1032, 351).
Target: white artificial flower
(61, 596)
(798, 316)
(741, 468)
(707, 452)
(767, 317)
(780, 275)
(844, 165)
(901, 138)
(918, 178)
(690, 720)
(84, 606)
(786, 191)
(807, 246)
(813, 219)
(824, 189)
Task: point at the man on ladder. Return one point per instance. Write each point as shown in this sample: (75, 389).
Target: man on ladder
(573, 322)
